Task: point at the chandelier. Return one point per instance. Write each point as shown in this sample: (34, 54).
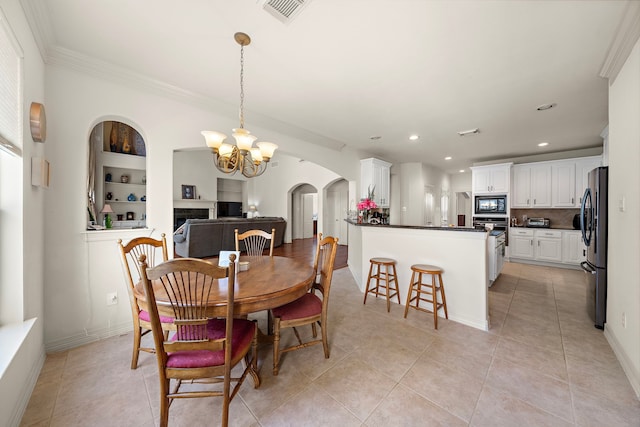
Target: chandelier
(244, 157)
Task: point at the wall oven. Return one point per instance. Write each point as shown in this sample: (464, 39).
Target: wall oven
(491, 205)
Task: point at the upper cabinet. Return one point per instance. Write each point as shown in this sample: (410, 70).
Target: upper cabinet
(563, 178)
(554, 184)
(491, 179)
(376, 174)
(584, 165)
(531, 186)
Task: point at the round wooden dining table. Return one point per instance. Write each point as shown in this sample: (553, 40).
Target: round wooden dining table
(268, 283)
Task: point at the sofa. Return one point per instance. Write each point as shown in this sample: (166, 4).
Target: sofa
(203, 238)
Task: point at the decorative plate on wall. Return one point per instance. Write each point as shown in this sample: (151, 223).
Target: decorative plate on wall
(38, 121)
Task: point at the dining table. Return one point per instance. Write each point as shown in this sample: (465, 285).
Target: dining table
(268, 282)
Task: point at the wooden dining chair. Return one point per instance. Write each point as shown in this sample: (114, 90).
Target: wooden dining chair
(255, 241)
(310, 309)
(203, 350)
(155, 252)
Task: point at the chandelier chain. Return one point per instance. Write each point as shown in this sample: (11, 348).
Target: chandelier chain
(241, 86)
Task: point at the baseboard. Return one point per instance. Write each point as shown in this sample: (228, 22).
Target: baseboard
(87, 337)
(543, 263)
(627, 366)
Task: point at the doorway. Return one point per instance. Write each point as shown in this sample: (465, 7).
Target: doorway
(335, 211)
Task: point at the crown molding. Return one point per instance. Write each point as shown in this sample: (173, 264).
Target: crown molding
(625, 39)
(66, 58)
(37, 15)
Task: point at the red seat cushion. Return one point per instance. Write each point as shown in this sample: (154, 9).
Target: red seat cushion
(144, 315)
(243, 332)
(306, 306)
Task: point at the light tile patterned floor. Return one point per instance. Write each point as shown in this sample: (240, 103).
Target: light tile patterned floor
(541, 364)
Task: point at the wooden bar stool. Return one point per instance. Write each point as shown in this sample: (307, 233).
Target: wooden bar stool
(385, 270)
(426, 292)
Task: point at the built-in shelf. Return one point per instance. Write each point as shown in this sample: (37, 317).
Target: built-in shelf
(124, 201)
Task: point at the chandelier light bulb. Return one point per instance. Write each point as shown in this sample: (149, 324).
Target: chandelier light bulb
(225, 150)
(267, 149)
(213, 139)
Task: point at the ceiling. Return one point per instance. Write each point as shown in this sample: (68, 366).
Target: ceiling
(342, 72)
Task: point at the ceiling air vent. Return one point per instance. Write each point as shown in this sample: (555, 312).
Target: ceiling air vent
(284, 10)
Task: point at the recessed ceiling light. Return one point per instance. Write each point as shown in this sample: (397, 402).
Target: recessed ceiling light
(461, 171)
(543, 144)
(545, 107)
(468, 132)
(414, 137)
(448, 158)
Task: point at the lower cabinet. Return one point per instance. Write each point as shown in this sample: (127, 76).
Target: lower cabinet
(521, 243)
(573, 249)
(545, 245)
(548, 245)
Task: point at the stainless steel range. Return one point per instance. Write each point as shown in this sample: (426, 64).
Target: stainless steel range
(496, 242)
(493, 222)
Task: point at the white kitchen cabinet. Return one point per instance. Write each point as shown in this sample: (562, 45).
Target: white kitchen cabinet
(491, 179)
(553, 184)
(573, 249)
(548, 245)
(376, 174)
(521, 243)
(584, 165)
(563, 184)
(531, 186)
(541, 185)
(521, 187)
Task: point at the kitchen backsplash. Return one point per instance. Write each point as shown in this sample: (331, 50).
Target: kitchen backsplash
(559, 218)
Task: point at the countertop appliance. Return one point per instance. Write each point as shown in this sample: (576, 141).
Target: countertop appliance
(491, 205)
(593, 224)
(538, 223)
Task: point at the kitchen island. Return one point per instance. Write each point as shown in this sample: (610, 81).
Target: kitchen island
(461, 252)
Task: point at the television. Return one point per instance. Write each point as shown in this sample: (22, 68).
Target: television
(229, 209)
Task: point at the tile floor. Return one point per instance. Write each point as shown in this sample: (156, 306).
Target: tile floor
(541, 364)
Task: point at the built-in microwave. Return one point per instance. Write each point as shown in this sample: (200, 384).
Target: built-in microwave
(491, 205)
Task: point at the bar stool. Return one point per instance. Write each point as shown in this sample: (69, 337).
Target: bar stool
(429, 293)
(385, 270)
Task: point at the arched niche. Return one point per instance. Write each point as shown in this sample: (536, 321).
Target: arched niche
(117, 175)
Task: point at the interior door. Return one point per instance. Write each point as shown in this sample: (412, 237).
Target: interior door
(307, 216)
(337, 205)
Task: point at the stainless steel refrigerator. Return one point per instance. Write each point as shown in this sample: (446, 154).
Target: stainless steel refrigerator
(593, 223)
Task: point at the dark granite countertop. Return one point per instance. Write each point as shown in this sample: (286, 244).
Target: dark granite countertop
(418, 227)
(547, 228)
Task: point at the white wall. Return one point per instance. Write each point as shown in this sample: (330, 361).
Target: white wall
(624, 227)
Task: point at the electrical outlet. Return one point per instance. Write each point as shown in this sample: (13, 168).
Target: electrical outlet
(112, 298)
(624, 320)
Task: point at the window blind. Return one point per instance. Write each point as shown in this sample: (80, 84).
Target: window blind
(10, 101)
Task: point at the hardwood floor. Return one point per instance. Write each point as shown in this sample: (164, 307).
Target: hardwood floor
(306, 248)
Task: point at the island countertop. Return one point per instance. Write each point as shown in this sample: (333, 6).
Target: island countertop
(417, 227)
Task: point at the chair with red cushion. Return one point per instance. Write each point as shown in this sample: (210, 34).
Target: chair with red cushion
(310, 309)
(129, 254)
(202, 350)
